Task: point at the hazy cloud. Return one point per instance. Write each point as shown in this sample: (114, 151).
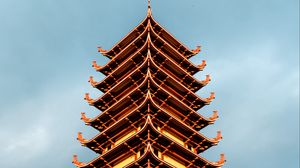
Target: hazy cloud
(251, 47)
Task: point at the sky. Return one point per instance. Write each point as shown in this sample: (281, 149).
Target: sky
(252, 53)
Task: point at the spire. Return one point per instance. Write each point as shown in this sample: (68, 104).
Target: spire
(149, 8)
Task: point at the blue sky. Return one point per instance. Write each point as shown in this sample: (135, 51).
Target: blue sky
(251, 48)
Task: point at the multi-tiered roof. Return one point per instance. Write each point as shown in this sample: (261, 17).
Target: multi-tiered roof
(149, 107)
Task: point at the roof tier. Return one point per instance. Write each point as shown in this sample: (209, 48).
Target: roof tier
(161, 118)
(133, 98)
(124, 42)
(107, 118)
(138, 44)
(149, 134)
(160, 76)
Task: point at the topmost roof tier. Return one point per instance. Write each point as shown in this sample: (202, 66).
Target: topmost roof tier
(140, 28)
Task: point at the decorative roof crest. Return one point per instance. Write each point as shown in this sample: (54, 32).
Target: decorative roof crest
(149, 8)
(215, 115)
(80, 138)
(202, 65)
(197, 50)
(76, 162)
(222, 159)
(206, 80)
(88, 99)
(84, 118)
(92, 81)
(212, 96)
(219, 136)
(96, 66)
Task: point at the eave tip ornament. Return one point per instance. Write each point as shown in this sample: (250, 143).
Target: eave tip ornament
(76, 162)
(210, 98)
(92, 81)
(101, 50)
(219, 136)
(84, 118)
(88, 99)
(96, 66)
(197, 50)
(206, 80)
(214, 116)
(80, 138)
(202, 65)
(222, 159)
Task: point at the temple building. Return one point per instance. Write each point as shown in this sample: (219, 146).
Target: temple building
(149, 110)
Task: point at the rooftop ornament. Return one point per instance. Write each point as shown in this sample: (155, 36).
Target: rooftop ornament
(197, 50)
(202, 65)
(149, 8)
(101, 50)
(206, 80)
(91, 81)
(211, 97)
(219, 136)
(80, 138)
(88, 99)
(96, 66)
(84, 118)
(222, 159)
(214, 116)
(76, 162)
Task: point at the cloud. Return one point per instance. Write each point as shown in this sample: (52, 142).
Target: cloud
(257, 97)
(43, 128)
(250, 47)
(31, 143)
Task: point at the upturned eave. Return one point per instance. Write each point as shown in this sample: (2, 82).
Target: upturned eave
(119, 46)
(172, 146)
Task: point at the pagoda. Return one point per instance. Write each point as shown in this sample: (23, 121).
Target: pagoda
(149, 107)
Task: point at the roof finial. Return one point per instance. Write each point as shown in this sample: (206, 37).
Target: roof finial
(149, 8)
(149, 3)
